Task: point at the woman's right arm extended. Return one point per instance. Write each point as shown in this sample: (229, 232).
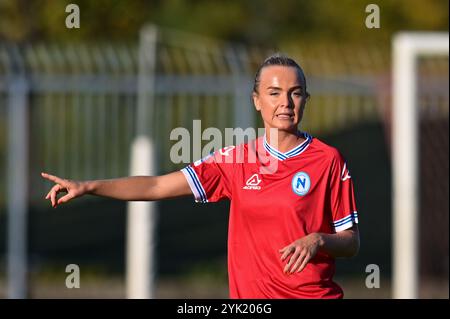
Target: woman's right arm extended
(134, 188)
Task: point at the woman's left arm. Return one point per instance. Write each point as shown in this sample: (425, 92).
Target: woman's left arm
(342, 244)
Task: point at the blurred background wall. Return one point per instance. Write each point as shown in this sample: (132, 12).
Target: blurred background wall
(81, 94)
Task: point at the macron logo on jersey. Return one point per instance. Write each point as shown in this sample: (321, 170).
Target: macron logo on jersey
(226, 150)
(253, 182)
(345, 173)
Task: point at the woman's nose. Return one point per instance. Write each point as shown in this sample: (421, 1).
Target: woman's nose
(286, 100)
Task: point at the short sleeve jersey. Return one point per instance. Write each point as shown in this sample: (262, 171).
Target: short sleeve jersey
(277, 198)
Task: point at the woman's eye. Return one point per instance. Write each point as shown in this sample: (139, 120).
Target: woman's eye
(274, 93)
(297, 94)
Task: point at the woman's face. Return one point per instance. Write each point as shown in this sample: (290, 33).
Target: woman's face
(279, 97)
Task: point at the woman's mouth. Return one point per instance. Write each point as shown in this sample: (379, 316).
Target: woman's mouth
(285, 116)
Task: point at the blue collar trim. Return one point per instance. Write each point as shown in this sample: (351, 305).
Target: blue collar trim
(293, 152)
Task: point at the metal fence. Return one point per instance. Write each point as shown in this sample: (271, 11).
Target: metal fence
(82, 98)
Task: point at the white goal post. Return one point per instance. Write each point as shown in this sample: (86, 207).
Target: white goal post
(407, 48)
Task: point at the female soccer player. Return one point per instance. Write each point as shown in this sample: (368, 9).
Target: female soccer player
(289, 221)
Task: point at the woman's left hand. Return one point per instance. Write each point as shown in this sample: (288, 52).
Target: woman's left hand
(301, 251)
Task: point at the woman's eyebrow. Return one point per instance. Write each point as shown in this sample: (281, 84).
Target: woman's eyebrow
(290, 89)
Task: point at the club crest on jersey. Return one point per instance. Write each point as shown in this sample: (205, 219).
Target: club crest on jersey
(301, 183)
(253, 182)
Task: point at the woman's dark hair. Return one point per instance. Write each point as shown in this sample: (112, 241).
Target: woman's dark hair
(282, 60)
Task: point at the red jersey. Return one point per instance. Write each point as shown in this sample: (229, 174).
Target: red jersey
(310, 191)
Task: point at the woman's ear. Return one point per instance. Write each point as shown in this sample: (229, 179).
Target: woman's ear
(256, 102)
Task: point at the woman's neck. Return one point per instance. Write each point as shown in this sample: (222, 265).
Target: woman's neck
(283, 141)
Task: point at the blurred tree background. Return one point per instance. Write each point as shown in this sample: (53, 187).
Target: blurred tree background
(256, 22)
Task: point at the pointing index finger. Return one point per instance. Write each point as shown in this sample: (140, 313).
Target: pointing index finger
(52, 178)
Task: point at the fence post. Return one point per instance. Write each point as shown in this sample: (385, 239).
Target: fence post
(243, 111)
(17, 187)
(141, 217)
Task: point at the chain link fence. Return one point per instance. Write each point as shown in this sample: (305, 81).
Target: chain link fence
(433, 174)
